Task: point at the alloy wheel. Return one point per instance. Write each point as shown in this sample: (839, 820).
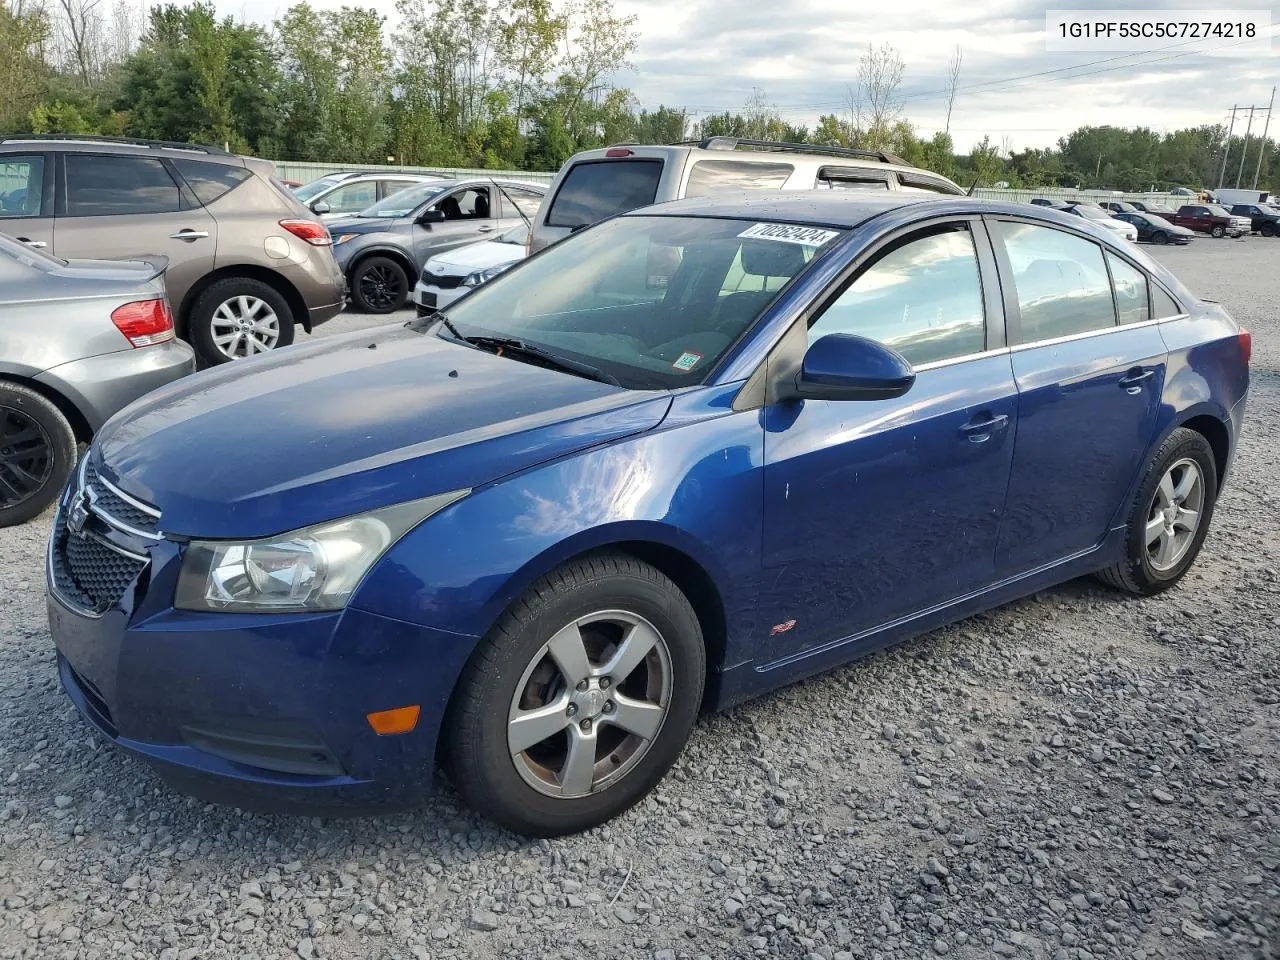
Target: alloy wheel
(26, 457)
(1175, 514)
(245, 326)
(590, 704)
(381, 287)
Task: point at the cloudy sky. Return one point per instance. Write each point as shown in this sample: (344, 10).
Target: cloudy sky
(707, 55)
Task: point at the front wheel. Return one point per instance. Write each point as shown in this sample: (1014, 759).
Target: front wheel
(379, 285)
(239, 317)
(1170, 516)
(1218, 232)
(579, 700)
(1268, 230)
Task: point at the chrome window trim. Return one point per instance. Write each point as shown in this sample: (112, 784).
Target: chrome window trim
(964, 358)
(1085, 335)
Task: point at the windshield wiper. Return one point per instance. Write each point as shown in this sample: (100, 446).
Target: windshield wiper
(435, 316)
(510, 345)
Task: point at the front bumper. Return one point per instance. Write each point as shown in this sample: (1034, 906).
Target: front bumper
(102, 385)
(255, 710)
(428, 297)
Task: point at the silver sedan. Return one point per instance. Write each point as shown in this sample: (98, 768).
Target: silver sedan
(79, 340)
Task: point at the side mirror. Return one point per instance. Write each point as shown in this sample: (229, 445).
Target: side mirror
(321, 207)
(841, 366)
(432, 216)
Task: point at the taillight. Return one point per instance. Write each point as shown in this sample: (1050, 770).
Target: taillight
(310, 231)
(144, 322)
(1246, 345)
(619, 152)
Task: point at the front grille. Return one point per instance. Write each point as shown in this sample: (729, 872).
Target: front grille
(111, 505)
(442, 281)
(87, 572)
(86, 569)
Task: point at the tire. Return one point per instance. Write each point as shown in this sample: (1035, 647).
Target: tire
(1218, 232)
(215, 328)
(1160, 237)
(1268, 230)
(512, 673)
(379, 285)
(38, 451)
(1139, 572)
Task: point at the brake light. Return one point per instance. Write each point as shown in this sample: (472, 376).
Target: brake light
(619, 152)
(1246, 345)
(310, 231)
(144, 322)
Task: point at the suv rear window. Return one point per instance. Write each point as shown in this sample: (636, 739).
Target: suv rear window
(103, 186)
(717, 176)
(211, 180)
(595, 190)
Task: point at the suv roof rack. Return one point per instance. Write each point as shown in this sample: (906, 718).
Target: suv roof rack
(123, 141)
(777, 146)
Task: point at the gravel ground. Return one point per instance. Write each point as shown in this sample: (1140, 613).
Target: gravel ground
(1078, 775)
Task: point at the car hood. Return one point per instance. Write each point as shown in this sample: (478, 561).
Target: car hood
(475, 256)
(348, 424)
(362, 224)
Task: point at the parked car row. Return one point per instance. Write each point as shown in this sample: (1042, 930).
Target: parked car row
(1155, 225)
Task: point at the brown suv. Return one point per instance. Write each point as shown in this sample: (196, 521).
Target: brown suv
(247, 260)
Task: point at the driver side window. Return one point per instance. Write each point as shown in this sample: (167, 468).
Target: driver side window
(922, 298)
(469, 204)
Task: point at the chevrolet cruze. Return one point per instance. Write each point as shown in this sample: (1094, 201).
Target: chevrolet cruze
(685, 456)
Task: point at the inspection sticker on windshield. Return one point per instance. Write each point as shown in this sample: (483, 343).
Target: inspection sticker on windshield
(687, 361)
(789, 233)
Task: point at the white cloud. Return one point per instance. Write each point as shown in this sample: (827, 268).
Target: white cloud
(707, 55)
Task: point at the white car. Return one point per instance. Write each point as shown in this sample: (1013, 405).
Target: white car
(447, 276)
(1104, 219)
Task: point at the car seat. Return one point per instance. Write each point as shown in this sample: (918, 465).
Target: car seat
(450, 208)
(481, 206)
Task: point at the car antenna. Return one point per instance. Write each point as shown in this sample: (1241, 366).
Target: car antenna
(523, 216)
(972, 187)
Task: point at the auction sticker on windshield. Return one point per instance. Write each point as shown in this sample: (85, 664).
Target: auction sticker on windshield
(789, 233)
(687, 361)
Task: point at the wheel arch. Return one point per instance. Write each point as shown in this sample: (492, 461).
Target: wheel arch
(1215, 431)
(79, 422)
(391, 253)
(278, 282)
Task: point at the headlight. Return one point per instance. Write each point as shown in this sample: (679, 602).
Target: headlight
(343, 238)
(315, 568)
(482, 276)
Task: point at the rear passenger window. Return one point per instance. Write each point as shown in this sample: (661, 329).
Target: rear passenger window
(1164, 305)
(596, 190)
(718, 176)
(1130, 285)
(850, 178)
(100, 186)
(211, 180)
(923, 299)
(1061, 282)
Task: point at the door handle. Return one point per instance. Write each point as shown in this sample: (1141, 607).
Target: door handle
(1132, 384)
(189, 235)
(980, 431)
(487, 229)
(38, 244)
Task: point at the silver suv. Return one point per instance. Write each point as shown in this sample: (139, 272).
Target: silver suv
(247, 261)
(597, 184)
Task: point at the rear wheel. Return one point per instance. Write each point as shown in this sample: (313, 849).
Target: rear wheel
(1170, 516)
(37, 453)
(239, 317)
(1160, 237)
(579, 700)
(379, 285)
(1218, 231)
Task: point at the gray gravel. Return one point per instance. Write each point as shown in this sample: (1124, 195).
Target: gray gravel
(1078, 775)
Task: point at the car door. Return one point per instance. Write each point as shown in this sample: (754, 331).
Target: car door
(26, 198)
(519, 206)
(1089, 390)
(116, 207)
(875, 510)
(468, 216)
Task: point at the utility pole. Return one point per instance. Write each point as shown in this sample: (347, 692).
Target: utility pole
(1245, 152)
(1262, 148)
(1226, 150)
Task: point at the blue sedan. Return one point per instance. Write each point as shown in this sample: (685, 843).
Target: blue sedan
(681, 458)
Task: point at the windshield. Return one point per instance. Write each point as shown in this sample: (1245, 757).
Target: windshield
(517, 235)
(406, 201)
(1218, 211)
(1093, 213)
(652, 301)
(316, 186)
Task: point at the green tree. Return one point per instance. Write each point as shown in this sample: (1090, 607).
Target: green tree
(22, 71)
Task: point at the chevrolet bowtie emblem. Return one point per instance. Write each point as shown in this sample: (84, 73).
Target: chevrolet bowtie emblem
(78, 514)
